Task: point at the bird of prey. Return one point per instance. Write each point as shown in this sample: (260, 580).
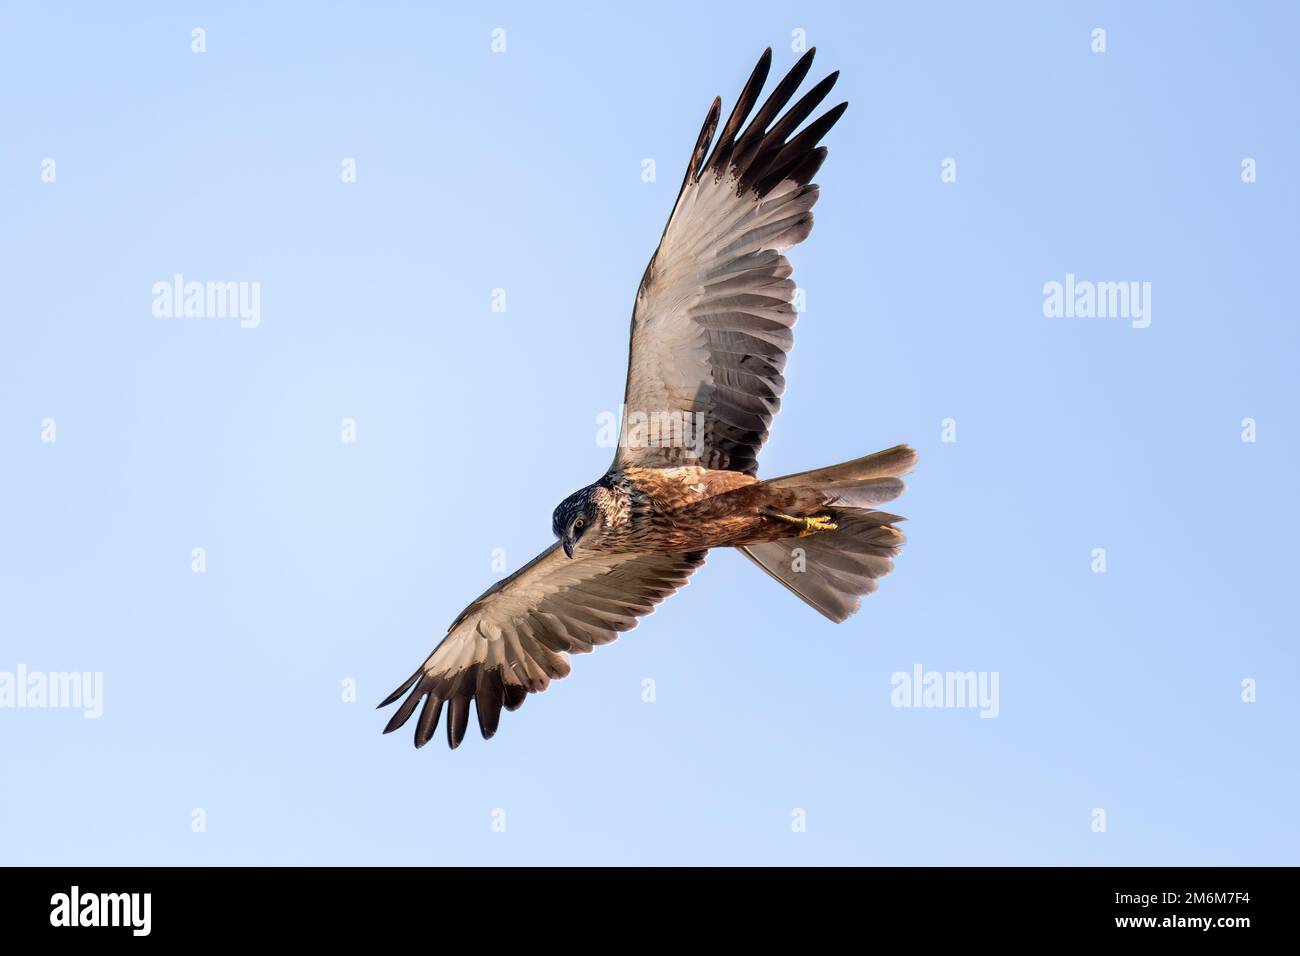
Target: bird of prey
(711, 329)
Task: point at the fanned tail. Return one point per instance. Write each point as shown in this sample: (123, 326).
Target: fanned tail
(832, 570)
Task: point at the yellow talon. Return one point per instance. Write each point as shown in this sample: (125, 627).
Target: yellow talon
(806, 526)
(813, 525)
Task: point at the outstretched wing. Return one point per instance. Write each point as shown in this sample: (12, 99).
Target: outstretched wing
(713, 316)
(517, 636)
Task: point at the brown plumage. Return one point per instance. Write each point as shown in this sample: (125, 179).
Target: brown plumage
(711, 330)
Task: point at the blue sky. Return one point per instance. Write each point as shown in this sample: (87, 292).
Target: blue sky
(330, 561)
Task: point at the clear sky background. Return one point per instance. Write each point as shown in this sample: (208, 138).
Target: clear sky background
(330, 561)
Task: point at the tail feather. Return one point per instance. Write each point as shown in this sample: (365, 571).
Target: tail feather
(832, 570)
(863, 494)
(890, 463)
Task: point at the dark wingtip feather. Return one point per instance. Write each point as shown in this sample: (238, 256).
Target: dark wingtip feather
(807, 168)
(774, 104)
(428, 721)
(768, 151)
(804, 108)
(515, 695)
(744, 105)
(457, 719)
(403, 713)
(765, 173)
(489, 695)
(399, 692)
(696, 165)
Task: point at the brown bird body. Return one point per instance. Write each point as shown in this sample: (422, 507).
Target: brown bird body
(691, 508)
(680, 509)
(711, 331)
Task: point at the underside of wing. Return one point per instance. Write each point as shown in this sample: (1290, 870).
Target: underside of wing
(516, 638)
(712, 324)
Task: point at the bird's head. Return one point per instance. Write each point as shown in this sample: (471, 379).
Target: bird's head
(577, 517)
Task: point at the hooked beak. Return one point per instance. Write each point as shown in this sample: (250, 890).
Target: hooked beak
(568, 543)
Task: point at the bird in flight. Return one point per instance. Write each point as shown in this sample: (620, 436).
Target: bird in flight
(711, 329)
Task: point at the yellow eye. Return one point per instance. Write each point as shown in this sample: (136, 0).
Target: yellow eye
(577, 524)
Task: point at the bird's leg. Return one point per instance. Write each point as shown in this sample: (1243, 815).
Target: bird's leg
(806, 526)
